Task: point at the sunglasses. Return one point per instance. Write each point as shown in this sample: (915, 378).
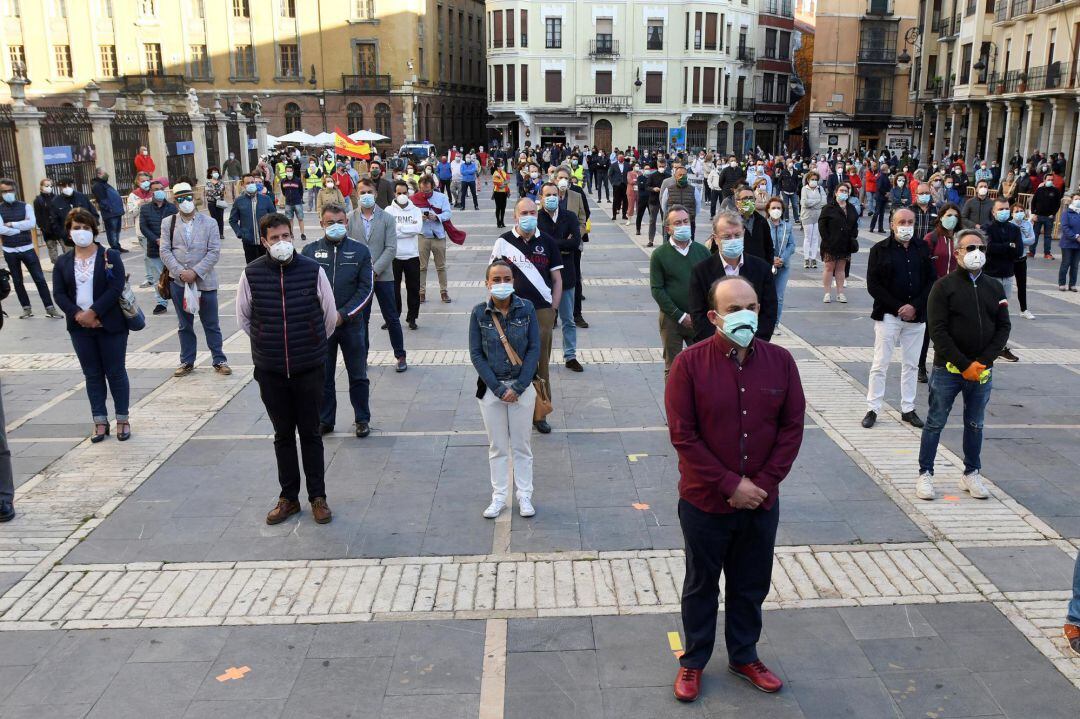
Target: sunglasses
(972, 248)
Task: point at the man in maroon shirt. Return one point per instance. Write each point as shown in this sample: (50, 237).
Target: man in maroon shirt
(735, 413)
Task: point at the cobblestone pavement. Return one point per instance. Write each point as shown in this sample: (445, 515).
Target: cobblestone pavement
(141, 579)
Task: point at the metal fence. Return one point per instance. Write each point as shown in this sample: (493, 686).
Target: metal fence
(232, 131)
(253, 153)
(213, 152)
(180, 146)
(9, 153)
(129, 132)
(69, 127)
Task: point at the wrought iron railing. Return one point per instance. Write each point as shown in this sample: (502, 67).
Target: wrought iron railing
(365, 84)
(873, 106)
(611, 102)
(157, 83)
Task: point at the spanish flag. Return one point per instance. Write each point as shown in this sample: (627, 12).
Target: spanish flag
(344, 146)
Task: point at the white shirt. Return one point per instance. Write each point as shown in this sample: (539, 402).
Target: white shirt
(684, 251)
(84, 281)
(409, 222)
(733, 271)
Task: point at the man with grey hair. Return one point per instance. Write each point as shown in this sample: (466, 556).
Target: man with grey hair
(670, 266)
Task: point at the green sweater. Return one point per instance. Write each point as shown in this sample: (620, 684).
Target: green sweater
(669, 277)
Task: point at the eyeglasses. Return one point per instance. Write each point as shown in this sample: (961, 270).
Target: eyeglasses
(972, 248)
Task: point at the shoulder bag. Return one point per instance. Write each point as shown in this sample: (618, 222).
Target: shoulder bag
(543, 395)
(164, 282)
(129, 306)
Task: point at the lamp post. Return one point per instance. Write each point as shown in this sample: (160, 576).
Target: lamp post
(322, 97)
(912, 37)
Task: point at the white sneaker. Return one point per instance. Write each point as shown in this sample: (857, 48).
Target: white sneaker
(924, 487)
(827, 299)
(841, 298)
(494, 509)
(1026, 314)
(525, 507)
(973, 485)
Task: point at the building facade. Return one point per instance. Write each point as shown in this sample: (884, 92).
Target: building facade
(649, 74)
(860, 91)
(1000, 79)
(407, 69)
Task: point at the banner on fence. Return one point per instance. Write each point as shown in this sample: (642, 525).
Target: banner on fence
(57, 155)
(185, 147)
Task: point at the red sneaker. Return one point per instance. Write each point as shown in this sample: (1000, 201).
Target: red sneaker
(757, 674)
(687, 684)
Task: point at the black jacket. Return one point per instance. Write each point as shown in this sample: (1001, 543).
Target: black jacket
(347, 265)
(888, 286)
(760, 275)
(1046, 201)
(730, 177)
(839, 229)
(564, 231)
(1004, 245)
(108, 286)
(61, 205)
(757, 240)
(967, 319)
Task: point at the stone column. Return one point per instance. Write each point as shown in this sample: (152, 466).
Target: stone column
(198, 137)
(155, 123)
(1059, 116)
(939, 131)
(101, 129)
(956, 111)
(261, 123)
(993, 119)
(1027, 144)
(1012, 116)
(1075, 182)
(27, 119)
(222, 139)
(924, 138)
(970, 149)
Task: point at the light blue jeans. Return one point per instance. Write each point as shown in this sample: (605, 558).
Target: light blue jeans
(780, 280)
(1074, 605)
(569, 329)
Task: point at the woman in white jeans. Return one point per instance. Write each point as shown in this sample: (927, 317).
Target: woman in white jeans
(504, 343)
(811, 199)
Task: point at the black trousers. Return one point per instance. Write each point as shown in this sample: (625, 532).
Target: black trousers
(253, 252)
(577, 286)
(741, 546)
(500, 207)
(619, 200)
(410, 269)
(218, 213)
(1020, 273)
(293, 404)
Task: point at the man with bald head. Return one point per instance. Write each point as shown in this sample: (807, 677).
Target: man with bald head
(735, 409)
(537, 264)
(899, 276)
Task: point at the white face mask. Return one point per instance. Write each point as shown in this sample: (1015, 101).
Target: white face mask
(402, 200)
(215, 175)
(974, 260)
(47, 190)
(811, 184)
(82, 238)
(281, 251)
(68, 191)
(563, 184)
(775, 213)
(982, 192)
(187, 206)
(905, 232)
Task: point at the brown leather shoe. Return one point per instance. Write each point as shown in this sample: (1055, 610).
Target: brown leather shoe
(423, 296)
(285, 508)
(1072, 636)
(687, 684)
(445, 296)
(320, 511)
(757, 674)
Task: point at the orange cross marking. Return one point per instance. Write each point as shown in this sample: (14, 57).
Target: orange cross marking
(233, 673)
(640, 505)
(951, 498)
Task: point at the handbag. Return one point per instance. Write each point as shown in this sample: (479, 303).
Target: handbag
(129, 306)
(164, 281)
(542, 408)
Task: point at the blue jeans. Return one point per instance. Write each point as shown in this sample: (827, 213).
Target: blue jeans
(384, 293)
(791, 205)
(1070, 263)
(29, 259)
(112, 230)
(780, 280)
(352, 338)
(102, 356)
(1046, 225)
(944, 386)
(208, 316)
(569, 329)
(1074, 605)
(147, 267)
(154, 267)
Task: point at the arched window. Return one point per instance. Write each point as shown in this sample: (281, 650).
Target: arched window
(722, 137)
(293, 116)
(355, 117)
(652, 135)
(382, 119)
(737, 140)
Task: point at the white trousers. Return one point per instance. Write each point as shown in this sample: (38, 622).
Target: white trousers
(888, 334)
(811, 244)
(509, 430)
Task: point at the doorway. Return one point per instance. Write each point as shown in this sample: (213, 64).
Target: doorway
(602, 135)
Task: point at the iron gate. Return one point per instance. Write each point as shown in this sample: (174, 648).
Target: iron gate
(253, 153)
(181, 160)
(9, 154)
(213, 157)
(69, 127)
(129, 132)
(232, 130)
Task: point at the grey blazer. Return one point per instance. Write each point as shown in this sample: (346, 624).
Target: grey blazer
(382, 242)
(201, 253)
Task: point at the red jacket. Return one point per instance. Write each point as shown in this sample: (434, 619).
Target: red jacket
(941, 252)
(343, 180)
(144, 163)
(728, 421)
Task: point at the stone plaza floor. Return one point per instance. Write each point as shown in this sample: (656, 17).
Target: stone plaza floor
(141, 580)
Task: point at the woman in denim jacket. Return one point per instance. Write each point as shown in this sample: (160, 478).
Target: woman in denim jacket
(504, 389)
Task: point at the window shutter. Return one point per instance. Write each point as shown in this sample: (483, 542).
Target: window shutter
(603, 83)
(553, 86)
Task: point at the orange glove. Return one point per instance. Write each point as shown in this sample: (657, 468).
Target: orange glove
(973, 371)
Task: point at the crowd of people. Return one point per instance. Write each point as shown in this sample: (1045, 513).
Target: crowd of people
(945, 271)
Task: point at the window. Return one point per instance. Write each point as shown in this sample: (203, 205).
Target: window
(655, 37)
(697, 86)
(10, 8)
(782, 89)
(152, 58)
(697, 31)
(708, 81)
(605, 43)
(783, 51)
(965, 64)
(767, 85)
(497, 35)
(710, 31)
(367, 62)
(553, 86)
(524, 83)
(603, 82)
(654, 84)
(511, 79)
(553, 32)
(423, 65)
(17, 57)
(770, 44)
(243, 61)
(107, 55)
(509, 28)
(199, 66)
(524, 28)
(288, 8)
(498, 83)
(62, 55)
(293, 117)
(289, 61)
(148, 8)
(241, 8)
(365, 9)
(355, 118)
(382, 119)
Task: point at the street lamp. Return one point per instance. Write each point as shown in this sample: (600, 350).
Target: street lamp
(911, 37)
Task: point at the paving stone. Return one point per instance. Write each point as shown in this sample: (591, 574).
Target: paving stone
(339, 641)
(853, 697)
(1047, 695)
(182, 644)
(141, 690)
(886, 622)
(1016, 569)
(437, 658)
(945, 692)
(549, 635)
(240, 709)
(431, 706)
(333, 688)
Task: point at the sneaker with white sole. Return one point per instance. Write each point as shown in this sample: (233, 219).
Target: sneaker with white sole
(525, 507)
(924, 487)
(841, 297)
(494, 509)
(1027, 315)
(973, 485)
(827, 299)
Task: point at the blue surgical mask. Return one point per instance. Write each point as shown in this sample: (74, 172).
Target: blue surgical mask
(336, 231)
(1002, 215)
(159, 195)
(9, 197)
(251, 188)
(924, 199)
(259, 187)
(731, 248)
(528, 223)
(949, 222)
(682, 233)
(740, 326)
(502, 290)
(367, 201)
(551, 203)
(841, 196)
(144, 185)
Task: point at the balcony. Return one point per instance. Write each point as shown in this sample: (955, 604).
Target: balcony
(365, 84)
(877, 55)
(743, 104)
(873, 106)
(783, 8)
(1055, 76)
(159, 84)
(745, 53)
(1001, 11)
(880, 7)
(613, 103)
(603, 47)
(1021, 7)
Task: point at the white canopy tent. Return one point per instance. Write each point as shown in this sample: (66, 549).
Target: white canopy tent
(367, 136)
(298, 137)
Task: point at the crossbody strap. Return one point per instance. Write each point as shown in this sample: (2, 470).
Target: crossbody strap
(514, 358)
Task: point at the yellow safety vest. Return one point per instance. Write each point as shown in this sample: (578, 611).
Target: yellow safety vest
(579, 175)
